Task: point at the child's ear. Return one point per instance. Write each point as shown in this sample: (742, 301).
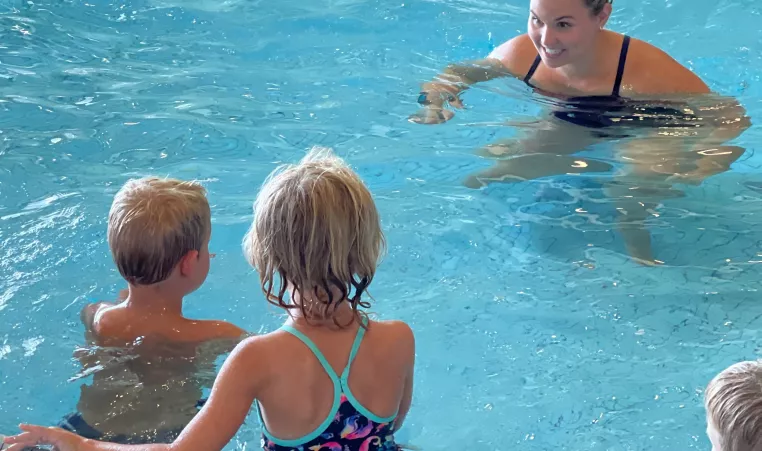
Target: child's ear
(188, 262)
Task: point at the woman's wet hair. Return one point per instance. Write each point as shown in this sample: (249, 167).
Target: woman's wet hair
(596, 6)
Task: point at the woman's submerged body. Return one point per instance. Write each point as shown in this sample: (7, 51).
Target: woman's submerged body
(607, 86)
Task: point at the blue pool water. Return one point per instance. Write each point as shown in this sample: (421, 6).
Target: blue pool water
(534, 330)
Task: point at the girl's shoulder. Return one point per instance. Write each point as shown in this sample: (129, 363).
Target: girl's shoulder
(394, 327)
(393, 334)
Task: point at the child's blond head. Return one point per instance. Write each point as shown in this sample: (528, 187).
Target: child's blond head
(153, 224)
(733, 401)
(317, 231)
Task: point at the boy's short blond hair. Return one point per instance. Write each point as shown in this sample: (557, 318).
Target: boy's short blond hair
(153, 223)
(733, 401)
(316, 228)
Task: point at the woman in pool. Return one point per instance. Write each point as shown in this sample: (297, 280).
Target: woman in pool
(601, 81)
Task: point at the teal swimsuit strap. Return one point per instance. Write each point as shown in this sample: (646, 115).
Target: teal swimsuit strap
(339, 384)
(315, 350)
(336, 395)
(353, 352)
(345, 380)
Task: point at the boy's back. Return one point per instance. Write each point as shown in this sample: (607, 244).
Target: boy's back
(148, 371)
(144, 355)
(108, 324)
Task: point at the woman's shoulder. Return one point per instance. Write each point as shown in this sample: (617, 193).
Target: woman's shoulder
(516, 54)
(651, 70)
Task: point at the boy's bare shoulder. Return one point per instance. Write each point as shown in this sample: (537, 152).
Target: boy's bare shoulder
(107, 323)
(204, 330)
(89, 316)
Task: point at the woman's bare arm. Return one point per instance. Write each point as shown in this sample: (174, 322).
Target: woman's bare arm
(505, 61)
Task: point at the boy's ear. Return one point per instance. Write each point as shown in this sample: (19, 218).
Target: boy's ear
(187, 262)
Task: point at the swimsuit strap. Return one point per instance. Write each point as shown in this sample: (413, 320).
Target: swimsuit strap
(622, 61)
(532, 69)
(353, 352)
(339, 387)
(323, 361)
(315, 350)
(619, 71)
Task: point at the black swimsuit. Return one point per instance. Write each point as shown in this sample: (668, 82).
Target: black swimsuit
(604, 111)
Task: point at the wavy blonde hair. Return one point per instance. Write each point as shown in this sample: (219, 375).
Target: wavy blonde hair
(316, 231)
(733, 401)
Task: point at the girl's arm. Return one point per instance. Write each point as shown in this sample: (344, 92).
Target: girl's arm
(406, 348)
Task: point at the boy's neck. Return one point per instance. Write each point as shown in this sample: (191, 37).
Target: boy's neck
(153, 299)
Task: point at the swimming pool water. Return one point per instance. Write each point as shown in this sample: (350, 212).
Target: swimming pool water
(534, 331)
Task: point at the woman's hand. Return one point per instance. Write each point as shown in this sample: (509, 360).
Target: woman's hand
(433, 98)
(431, 115)
(38, 435)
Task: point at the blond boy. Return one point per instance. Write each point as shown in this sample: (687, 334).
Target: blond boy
(733, 403)
(144, 353)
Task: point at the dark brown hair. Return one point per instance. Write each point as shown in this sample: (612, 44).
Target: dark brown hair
(596, 6)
